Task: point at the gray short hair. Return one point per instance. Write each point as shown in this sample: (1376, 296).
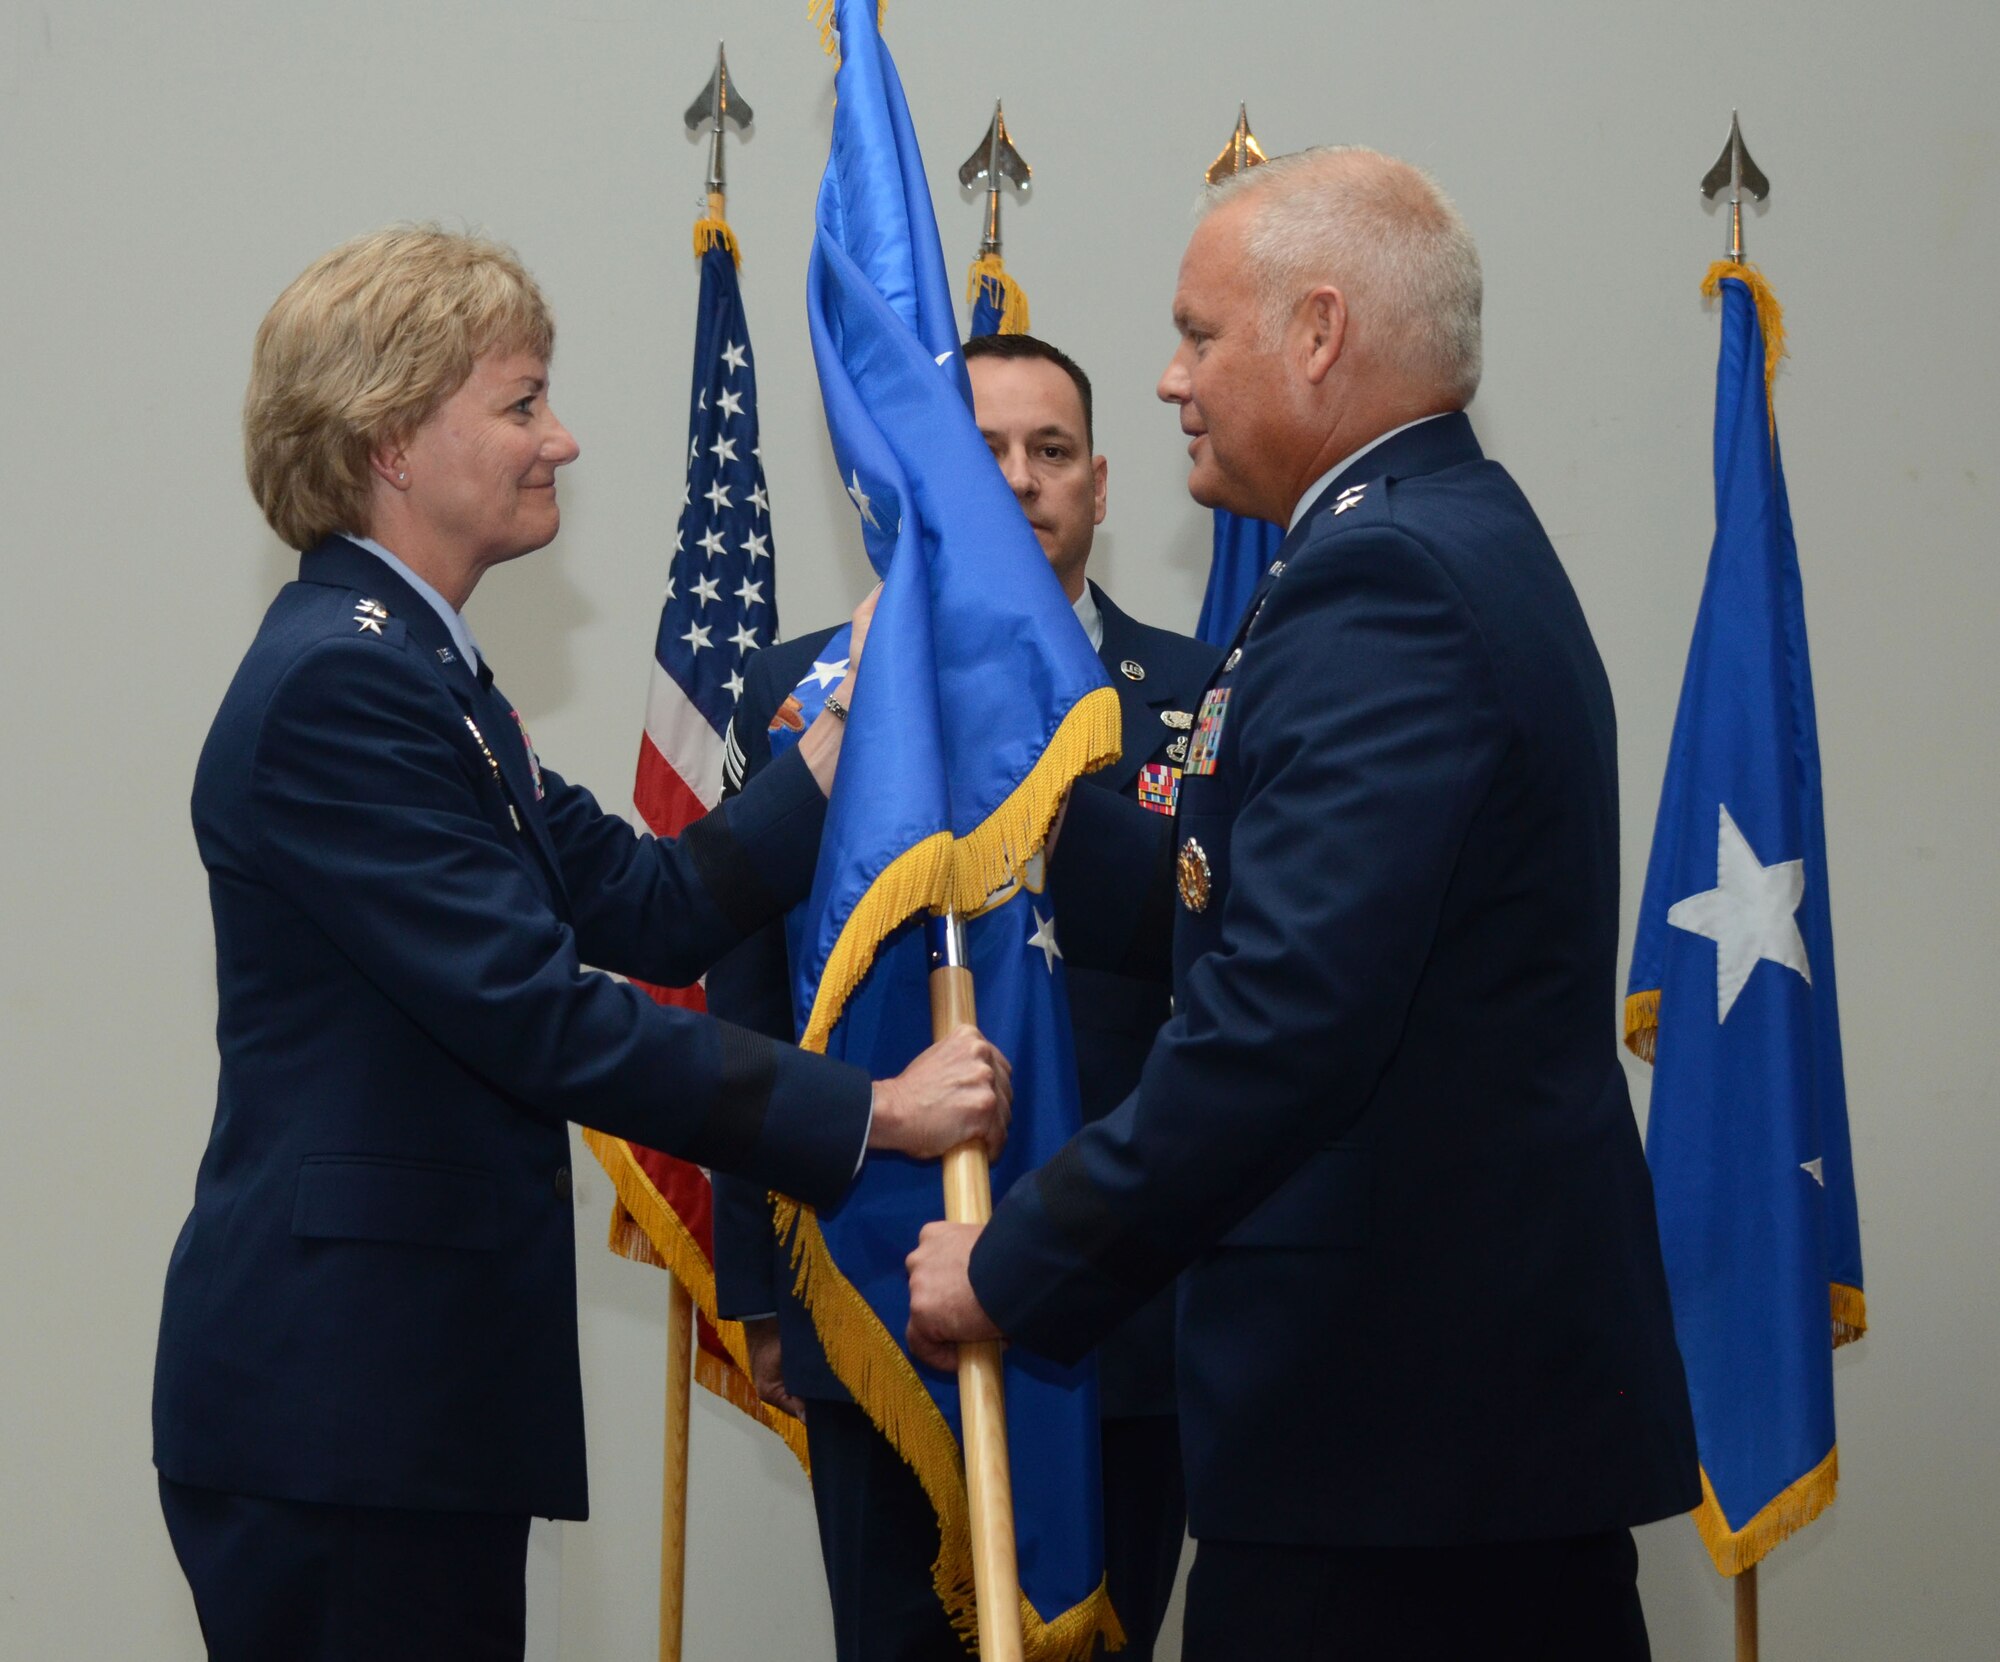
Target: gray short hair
(1384, 233)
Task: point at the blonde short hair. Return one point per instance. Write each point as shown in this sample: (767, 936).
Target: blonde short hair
(365, 343)
(1381, 229)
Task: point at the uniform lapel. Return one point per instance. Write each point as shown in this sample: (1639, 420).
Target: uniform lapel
(338, 563)
(1140, 699)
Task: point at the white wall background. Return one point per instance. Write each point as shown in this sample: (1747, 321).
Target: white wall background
(164, 170)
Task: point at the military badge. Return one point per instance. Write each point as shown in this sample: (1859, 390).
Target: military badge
(534, 761)
(1132, 670)
(790, 717)
(1207, 744)
(1159, 787)
(1191, 873)
(1177, 751)
(370, 615)
(1179, 720)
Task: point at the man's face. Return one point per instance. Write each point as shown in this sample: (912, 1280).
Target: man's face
(1240, 405)
(1031, 416)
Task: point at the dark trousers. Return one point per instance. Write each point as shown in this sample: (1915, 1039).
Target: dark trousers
(878, 1536)
(290, 1581)
(1145, 1523)
(1519, 1601)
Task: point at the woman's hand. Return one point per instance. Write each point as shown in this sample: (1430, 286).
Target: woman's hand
(819, 745)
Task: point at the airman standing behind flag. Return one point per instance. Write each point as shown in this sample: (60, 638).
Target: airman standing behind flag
(1426, 1364)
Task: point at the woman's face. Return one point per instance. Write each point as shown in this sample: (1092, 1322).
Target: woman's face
(482, 468)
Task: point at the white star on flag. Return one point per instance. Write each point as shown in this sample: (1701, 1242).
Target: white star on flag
(704, 590)
(826, 674)
(712, 542)
(1815, 1168)
(718, 496)
(697, 636)
(732, 355)
(734, 683)
(1748, 914)
(730, 403)
(861, 500)
(723, 450)
(1043, 940)
(751, 594)
(756, 547)
(759, 500)
(745, 638)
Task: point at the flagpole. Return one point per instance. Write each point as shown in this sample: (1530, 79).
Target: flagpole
(968, 1198)
(1746, 1615)
(673, 1478)
(718, 107)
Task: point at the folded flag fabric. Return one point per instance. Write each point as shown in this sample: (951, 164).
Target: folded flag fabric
(1732, 998)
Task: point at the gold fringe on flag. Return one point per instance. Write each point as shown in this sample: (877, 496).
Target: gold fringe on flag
(821, 12)
(1784, 1515)
(878, 1374)
(1770, 318)
(1642, 1023)
(713, 228)
(989, 268)
(647, 1230)
(1850, 1314)
(946, 873)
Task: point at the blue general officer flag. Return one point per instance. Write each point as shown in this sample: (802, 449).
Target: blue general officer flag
(979, 702)
(1732, 998)
(1243, 548)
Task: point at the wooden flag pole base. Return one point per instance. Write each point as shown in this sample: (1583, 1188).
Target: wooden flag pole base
(1746, 1615)
(674, 1473)
(968, 1198)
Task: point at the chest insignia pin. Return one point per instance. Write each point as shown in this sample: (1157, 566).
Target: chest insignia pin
(1191, 873)
(1132, 670)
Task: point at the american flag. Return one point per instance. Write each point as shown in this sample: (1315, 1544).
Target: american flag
(720, 606)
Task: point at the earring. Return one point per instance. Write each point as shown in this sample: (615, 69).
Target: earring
(402, 478)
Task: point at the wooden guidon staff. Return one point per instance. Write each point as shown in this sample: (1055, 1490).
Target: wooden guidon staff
(968, 1198)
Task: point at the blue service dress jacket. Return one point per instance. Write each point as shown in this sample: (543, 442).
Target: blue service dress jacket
(1385, 1140)
(1114, 1015)
(373, 1301)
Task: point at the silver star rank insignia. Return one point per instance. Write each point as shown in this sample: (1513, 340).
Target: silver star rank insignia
(370, 615)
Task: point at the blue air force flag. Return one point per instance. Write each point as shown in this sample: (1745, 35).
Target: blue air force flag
(1243, 548)
(979, 701)
(1732, 998)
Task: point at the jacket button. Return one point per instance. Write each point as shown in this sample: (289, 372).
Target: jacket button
(562, 1183)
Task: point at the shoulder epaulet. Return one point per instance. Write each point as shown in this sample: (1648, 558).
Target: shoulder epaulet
(1365, 502)
(345, 614)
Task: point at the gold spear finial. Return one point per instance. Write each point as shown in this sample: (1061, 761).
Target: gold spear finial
(1242, 151)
